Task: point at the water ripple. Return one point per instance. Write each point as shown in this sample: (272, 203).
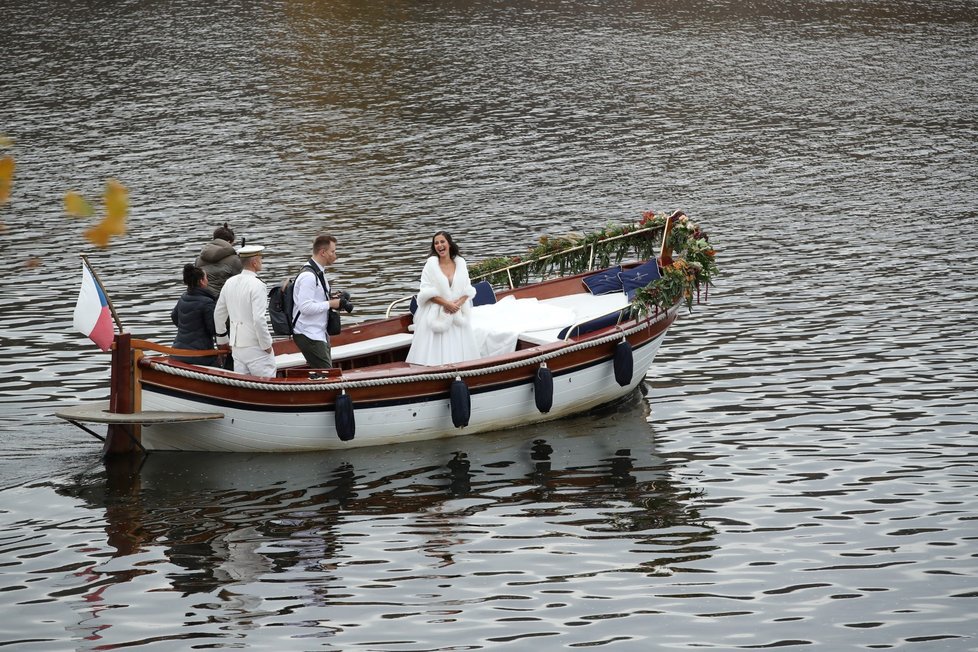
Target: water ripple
(802, 469)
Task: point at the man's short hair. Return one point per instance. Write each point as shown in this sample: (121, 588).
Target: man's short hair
(249, 261)
(321, 242)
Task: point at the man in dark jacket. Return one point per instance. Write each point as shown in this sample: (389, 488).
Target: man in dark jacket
(219, 259)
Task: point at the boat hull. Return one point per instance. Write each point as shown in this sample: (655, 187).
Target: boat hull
(391, 414)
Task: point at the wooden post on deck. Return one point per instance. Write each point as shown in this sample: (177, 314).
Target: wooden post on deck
(122, 438)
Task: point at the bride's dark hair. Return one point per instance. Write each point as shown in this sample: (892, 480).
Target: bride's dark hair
(452, 247)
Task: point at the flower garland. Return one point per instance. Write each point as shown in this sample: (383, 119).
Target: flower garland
(693, 267)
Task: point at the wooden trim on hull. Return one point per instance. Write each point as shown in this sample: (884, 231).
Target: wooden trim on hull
(437, 390)
(320, 395)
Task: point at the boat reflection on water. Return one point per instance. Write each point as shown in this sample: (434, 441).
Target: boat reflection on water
(228, 519)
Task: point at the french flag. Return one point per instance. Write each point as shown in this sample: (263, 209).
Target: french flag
(92, 316)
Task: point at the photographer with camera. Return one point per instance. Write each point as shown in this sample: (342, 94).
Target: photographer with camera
(313, 303)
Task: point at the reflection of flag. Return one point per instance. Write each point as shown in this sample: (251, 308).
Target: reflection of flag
(92, 317)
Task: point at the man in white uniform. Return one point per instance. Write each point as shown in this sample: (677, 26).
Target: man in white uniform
(244, 301)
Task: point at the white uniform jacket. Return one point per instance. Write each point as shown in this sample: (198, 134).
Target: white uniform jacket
(244, 300)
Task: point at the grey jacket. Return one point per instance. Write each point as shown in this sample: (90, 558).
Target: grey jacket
(219, 259)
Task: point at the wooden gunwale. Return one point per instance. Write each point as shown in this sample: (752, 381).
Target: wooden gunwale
(320, 396)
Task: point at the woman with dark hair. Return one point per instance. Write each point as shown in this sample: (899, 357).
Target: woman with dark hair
(442, 327)
(194, 317)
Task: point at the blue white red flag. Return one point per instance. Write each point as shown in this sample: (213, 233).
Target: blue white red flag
(92, 316)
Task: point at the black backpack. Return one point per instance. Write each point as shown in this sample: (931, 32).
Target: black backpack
(281, 302)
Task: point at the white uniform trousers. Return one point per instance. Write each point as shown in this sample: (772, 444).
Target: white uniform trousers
(253, 360)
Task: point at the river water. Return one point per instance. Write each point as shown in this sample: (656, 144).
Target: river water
(800, 469)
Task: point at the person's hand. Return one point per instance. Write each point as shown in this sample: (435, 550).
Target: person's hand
(448, 306)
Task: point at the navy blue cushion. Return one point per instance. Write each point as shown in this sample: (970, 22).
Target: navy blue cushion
(484, 294)
(639, 277)
(414, 304)
(604, 282)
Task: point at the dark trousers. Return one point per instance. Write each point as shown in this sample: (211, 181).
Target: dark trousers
(316, 352)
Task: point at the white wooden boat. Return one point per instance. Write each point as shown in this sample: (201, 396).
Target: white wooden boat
(552, 349)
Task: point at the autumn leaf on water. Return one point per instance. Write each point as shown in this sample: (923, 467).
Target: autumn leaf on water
(116, 209)
(77, 206)
(7, 166)
(98, 235)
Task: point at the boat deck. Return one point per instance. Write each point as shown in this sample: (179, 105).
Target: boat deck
(499, 326)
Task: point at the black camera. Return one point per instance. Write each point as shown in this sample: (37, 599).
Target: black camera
(344, 298)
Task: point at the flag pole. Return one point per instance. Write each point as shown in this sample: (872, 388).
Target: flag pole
(115, 315)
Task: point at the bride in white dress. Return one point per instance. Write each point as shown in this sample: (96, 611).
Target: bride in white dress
(442, 324)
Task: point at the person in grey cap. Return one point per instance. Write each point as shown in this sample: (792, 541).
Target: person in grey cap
(244, 303)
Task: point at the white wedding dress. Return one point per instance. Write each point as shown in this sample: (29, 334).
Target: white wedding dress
(441, 338)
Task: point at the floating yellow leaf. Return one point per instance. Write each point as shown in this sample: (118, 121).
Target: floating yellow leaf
(6, 141)
(98, 236)
(7, 166)
(116, 210)
(113, 227)
(116, 202)
(77, 206)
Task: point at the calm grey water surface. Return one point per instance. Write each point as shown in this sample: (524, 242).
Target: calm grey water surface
(801, 469)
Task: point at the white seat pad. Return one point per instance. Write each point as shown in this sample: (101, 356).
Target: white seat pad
(347, 351)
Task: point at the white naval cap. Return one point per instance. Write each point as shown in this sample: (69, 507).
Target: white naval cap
(250, 250)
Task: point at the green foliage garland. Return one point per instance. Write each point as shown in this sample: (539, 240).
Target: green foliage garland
(694, 265)
(571, 253)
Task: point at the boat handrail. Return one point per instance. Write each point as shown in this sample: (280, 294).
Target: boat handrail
(396, 302)
(183, 353)
(563, 252)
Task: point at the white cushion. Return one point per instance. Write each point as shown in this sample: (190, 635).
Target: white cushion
(352, 350)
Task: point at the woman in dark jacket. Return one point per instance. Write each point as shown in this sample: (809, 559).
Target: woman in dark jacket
(194, 316)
